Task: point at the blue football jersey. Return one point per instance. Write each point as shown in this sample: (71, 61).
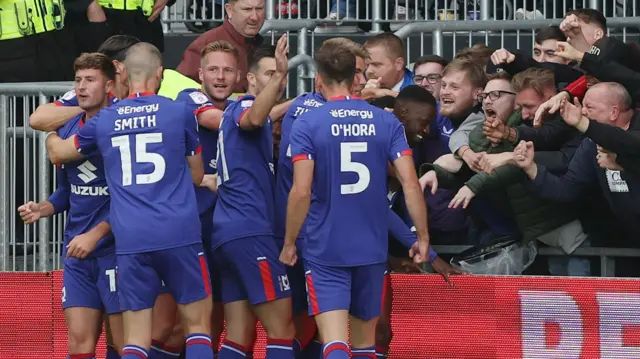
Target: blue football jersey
(351, 143)
(88, 193)
(199, 102)
(284, 174)
(70, 99)
(245, 178)
(144, 140)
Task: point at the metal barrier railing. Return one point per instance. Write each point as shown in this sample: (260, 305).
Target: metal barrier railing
(200, 15)
(607, 255)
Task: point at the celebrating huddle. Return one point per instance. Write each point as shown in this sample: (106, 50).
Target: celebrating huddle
(227, 235)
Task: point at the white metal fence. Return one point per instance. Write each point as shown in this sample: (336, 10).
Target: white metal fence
(199, 15)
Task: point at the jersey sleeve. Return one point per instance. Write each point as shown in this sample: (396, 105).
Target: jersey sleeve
(86, 139)
(68, 99)
(300, 141)
(192, 140)
(196, 101)
(398, 146)
(60, 198)
(241, 109)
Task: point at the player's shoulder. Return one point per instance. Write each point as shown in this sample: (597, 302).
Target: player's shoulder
(310, 99)
(71, 127)
(194, 96)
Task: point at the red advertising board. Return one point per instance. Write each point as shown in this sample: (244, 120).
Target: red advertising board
(481, 317)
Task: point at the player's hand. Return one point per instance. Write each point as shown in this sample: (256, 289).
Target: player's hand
(571, 112)
(420, 250)
(502, 56)
(473, 159)
(403, 265)
(524, 154)
(210, 182)
(81, 245)
(158, 6)
(495, 130)
(445, 269)
(373, 83)
(463, 197)
(282, 51)
(607, 160)
(549, 107)
(566, 51)
(289, 254)
(490, 162)
(430, 180)
(29, 212)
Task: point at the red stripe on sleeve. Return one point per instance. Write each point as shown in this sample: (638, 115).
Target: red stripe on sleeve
(242, 115)
(58, 103)
(301, 157)
(408, 152)
(203, 109)
(76, 142)
(198, 150)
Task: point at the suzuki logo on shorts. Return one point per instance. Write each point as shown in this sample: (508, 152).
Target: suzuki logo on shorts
(283, 280)
(86, 172)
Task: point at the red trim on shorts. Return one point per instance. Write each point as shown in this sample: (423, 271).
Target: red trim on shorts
(408, 152)
(313, 298)
(205, 273)
(82, 356)
(301, 157)
(203, 109)
(267, 280)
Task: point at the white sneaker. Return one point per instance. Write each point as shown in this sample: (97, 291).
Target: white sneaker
(336, 25)
(402, 14)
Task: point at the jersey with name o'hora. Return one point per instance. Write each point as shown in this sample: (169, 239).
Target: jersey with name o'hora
(88, 194)
(351, 143)
(284, 173)
(246, 180)
(144, 140)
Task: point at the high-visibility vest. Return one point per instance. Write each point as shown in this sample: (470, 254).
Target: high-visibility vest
(146, 6)
(20, 18)
(174, 82)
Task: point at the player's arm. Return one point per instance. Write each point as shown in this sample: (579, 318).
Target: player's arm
(402, 159)
(256, 115)
(50, 117)
(82, 245)
(299, 198)
(62, 151)
(193, 147)
(278, 111)
(60, 199)
(210, 118)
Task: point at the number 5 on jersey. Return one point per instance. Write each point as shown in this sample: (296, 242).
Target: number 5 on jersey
(141, 155)
(347, 164)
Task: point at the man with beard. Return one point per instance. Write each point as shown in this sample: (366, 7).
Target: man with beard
(492, 217)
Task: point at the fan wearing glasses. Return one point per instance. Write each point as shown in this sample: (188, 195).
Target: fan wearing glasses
(498, 99)
(427, 73)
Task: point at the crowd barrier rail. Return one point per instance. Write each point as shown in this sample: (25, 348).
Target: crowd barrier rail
(479, 318)
(200, 15)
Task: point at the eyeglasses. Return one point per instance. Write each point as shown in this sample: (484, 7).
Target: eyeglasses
(493, 95)
(431, 78)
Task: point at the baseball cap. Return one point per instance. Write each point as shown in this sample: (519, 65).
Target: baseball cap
(611, 49)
